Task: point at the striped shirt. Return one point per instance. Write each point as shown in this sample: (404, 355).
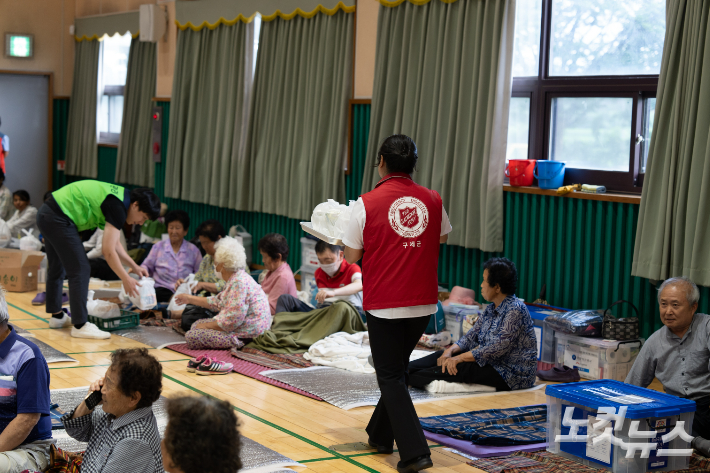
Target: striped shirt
(129, 443)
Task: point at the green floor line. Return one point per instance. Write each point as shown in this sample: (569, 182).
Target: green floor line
(97, 366)
(279, 428)
(318, 460)
(28, 313)
(18, 320)
(39, 328)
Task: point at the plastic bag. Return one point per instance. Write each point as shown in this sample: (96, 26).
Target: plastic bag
(584, 323)
(331, 218)
(5, 236)
(185, 288)
(102, 309)
(29, 242)
(437, 340)
(146, 295)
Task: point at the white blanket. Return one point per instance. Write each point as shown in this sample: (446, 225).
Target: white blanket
(342, 350)
(439, 386)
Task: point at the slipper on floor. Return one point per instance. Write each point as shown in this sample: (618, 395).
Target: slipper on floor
(563, 375)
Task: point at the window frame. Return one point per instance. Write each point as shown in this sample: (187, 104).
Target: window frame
(543, 87)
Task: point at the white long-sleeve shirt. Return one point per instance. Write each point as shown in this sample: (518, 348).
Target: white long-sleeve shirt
(25, 220)
(94, 245)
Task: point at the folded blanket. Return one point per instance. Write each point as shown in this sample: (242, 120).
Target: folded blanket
(295, 332)
(439, 386)
(342, 350)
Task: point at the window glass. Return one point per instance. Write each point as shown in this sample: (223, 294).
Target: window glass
(518, 128)
(649, 110)
(113, 67)
(526, 48)
(591, 132)
(606, 37)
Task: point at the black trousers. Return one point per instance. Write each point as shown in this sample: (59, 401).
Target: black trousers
(66, 257)
(163, 294)
(392, 342)
(288, 303)
(100, 269)
(701, 420)
(424, 370)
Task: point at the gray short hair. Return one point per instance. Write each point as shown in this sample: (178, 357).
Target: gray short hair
(692, 293)
(4, 313)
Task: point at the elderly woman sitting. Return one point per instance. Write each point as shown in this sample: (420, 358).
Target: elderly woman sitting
(242, 305)
(499, 351)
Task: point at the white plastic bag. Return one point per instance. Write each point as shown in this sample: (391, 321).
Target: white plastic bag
(331, 218)
(185, 288)
(146, 295)
(102, 309)
(5, 236)
(29, 242)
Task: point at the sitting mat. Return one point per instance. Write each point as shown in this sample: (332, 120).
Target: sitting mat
(51, 354)
(522, 461)
(245, 368)
(255, 457)
(347, 390)
(482, 451)
(156, 337)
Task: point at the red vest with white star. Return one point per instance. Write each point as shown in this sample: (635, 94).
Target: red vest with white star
(401, 244)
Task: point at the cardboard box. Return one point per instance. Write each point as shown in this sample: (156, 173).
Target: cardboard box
(18, 269)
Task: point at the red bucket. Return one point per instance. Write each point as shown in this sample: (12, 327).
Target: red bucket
(520, 172)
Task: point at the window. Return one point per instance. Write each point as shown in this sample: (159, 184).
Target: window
(585, 74)
(113, 66)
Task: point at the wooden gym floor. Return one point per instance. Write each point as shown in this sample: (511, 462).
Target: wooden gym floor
(296, 426)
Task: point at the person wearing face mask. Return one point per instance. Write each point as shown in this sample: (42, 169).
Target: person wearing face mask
(336, 280)
(172, 259)
(80, 206)
(242, 308)
(278, 278)
(209, 232)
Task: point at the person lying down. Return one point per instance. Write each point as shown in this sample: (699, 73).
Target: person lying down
(500, 350)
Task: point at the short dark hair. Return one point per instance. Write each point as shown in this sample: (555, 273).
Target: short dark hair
(148, 202)
(502, 272)
(211, 229)
(47, 195)
(274, 245)
(2, 175)
(399, 153)
(213, 443)
(22, 194)
(178, 216)
(321, 246)
(138, 371)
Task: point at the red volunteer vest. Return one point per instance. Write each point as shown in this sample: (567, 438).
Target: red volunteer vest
(401, 244)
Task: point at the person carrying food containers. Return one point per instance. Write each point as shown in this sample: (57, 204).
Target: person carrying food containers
(396, 229)
(80, 206)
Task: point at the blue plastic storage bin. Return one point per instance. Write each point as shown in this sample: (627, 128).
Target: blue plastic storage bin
(654, 409)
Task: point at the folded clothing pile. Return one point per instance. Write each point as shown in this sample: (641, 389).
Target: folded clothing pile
(347, 351)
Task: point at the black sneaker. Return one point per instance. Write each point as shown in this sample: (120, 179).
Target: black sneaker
(381, 448)
(415, 464)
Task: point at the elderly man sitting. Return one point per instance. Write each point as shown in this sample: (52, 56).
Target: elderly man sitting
(124, 435)
(25, 425)
(679, 354)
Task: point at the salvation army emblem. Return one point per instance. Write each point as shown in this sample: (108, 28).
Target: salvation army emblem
(408, 217)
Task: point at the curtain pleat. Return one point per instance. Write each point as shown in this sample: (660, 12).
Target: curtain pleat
(443, 77)
(673, 225)
(207, 113)
(134, 161)
(81, 156)
(297, 135)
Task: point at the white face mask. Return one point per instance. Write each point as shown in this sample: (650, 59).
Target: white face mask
(217, 273)
(331, 269)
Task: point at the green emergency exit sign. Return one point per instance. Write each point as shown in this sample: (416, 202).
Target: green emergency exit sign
(19, 45)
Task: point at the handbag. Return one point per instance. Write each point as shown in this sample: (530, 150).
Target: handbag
(620, 329)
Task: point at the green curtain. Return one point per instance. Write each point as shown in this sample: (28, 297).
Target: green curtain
(443, 77)
(81, 157)
(298, 126)
(207, 115)
(134, 162)
(673, 225)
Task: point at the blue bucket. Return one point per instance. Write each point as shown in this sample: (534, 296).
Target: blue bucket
(550, 174)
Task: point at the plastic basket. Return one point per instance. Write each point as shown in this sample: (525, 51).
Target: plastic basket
(127, 319)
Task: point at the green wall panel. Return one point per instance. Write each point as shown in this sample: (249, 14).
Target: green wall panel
(581, 249)
(60, 115)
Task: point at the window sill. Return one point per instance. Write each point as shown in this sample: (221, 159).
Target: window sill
(608, 197)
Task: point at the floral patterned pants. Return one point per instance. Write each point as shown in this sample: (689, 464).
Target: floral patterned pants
(199, 338)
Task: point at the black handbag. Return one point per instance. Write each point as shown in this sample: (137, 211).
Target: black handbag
(620, 329)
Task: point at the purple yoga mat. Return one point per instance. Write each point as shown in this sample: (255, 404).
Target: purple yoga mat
(482, 451)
